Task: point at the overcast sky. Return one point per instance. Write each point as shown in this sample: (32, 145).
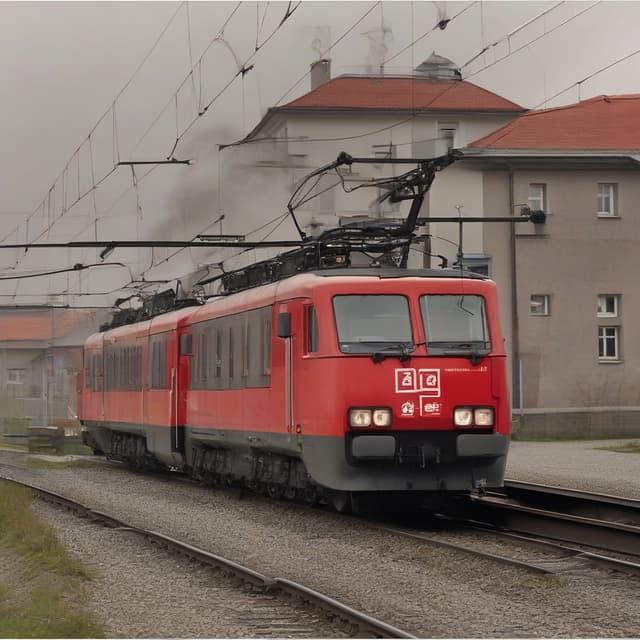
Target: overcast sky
(63, 63)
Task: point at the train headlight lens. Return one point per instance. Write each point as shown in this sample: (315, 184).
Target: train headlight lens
(360, 417)
(483, 417)
(382, 417)
(463, 416)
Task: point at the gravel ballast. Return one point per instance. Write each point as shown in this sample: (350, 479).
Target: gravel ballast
(429, 591)
(578, 464)
(139, 590)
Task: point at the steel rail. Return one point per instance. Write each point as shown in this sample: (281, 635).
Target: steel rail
(365, 623)
(527, 566)
(500, 513)
(573, 501)
(609, 562)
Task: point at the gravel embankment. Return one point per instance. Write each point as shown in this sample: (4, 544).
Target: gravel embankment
(141, 591)
(430, 591)
(577, 464)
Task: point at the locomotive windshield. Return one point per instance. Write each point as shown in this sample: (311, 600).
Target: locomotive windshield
(371, 323)
(455, 325)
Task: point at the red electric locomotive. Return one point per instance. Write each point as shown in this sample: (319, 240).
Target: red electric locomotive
(313, 378)
(336, 383)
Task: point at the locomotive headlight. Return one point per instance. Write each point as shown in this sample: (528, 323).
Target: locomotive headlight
(483, 417)
(463, 416)
(382, 417)
(360, 417)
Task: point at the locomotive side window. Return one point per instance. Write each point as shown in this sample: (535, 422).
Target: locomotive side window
(158, 362)
(266, 344)
(204, 353)
(233, 352)
(246, 349)
(98, 372)
(231, 360)
(218, 354)
(455, 324)
(369, 323)
(312, 330)
(88, 373)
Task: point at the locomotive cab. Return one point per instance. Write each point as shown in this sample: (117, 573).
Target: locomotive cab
(398, 382)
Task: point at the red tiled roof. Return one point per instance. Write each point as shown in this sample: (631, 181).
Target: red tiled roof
(36, 325)
(401, 94)
(604, 122)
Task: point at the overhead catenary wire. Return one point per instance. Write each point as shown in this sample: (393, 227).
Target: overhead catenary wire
(216, 38)
(588, 77)
(530, 42)
(112, 111)
(290, 9)
(75, 268)
(395, 124)
(441, 24)
(507, 37)
(328, 49)
(242, 71)
(87, 139)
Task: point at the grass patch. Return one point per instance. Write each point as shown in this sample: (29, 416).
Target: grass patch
(627, 447)
(14, 446)
(22, 531)
(42, 592)
(41, 612)
(75, 449)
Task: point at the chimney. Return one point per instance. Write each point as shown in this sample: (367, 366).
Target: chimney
(320, 73)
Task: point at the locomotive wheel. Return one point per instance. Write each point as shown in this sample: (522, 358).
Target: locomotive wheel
(340, 501)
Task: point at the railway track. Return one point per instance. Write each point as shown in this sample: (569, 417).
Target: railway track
(355, 623)
(551, 518)
(603, 522)
(558, 518)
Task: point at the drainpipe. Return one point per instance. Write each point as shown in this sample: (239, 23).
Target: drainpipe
(515, 333)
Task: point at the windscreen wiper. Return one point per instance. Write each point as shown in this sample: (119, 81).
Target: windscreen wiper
(403, 347)
(471, 350)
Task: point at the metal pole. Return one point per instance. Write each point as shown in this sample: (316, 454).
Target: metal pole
(45, 399)
(520, 389)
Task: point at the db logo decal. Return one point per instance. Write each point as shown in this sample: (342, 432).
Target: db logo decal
(430, 382)
(425, 381)
(428, 407)
(408, 409)
(405, 380)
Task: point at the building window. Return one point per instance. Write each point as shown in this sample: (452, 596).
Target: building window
(608, 343)
(538, 197)
(608, 305)
(539, 305)
(607, 200)
(447, 133)
(16, 376)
